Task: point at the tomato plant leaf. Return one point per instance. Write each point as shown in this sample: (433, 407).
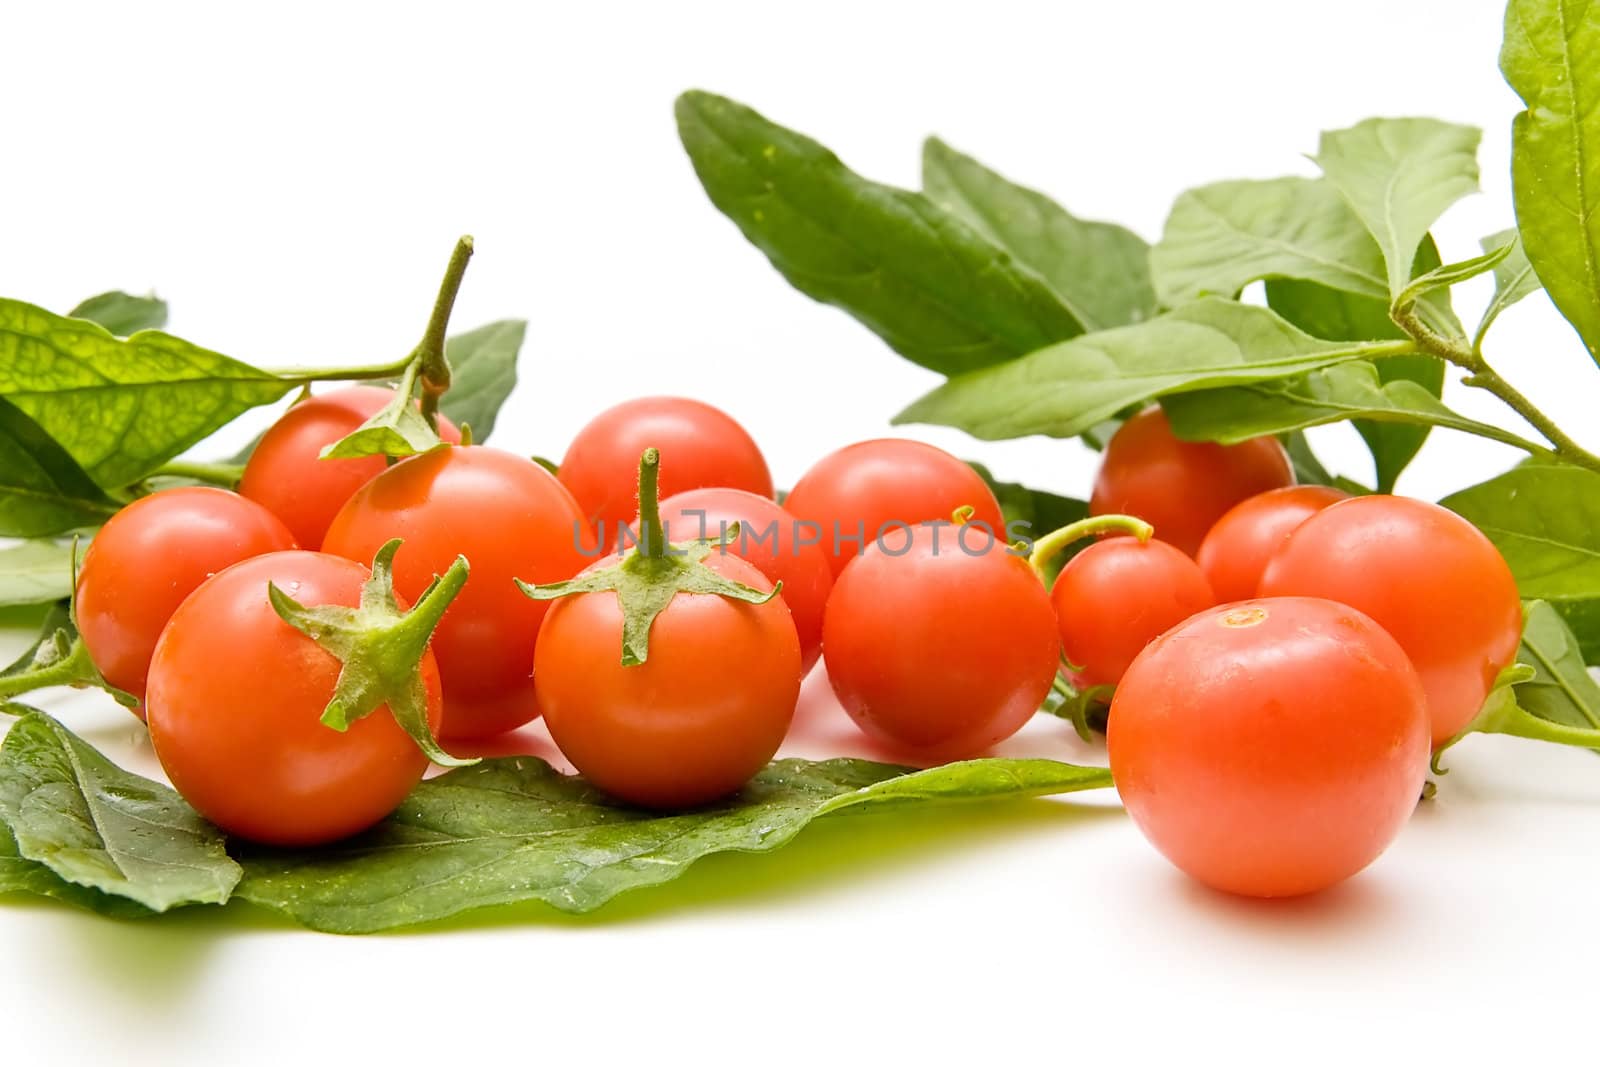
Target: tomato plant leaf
(1399, 175)
(397, 429)
(1068, 388)
(483, 371)
(95, 825)
(43, 491)
(922, 279)
(1545, 520)
(510, 830)
(56, 629)
(1514, 278)
(1099, 270)
(1561, 689)
(123, 314)
(35, 572)
(19, 875)
(121, 408)
(1551, 57)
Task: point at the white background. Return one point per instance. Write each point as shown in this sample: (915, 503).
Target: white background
(291, 178)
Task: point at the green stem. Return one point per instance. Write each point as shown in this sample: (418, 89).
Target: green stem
(430, 352)
(652, 538)
(306, 375)
(223, 474)
(1050, 545)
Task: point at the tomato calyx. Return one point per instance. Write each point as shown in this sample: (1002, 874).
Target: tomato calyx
(653, 572)
(380, 647)
(1502, 714)
(1085, 708)
(1052, 544)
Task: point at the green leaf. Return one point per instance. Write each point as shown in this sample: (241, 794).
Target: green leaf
(95, 825)
(123, 314)
(934, 289)
(1450, 274)
(1066, 389)
(1561, 689)
(483, 371)
(511, 830)
(1545, 519)
(35, 572)
(397, 430)
(1400, 175)
(1032, 513)
(1100, 271)
(121, 408)
(1551, 57)
(18, 875)
(57, 630)
(1514, 278)
(43, 491)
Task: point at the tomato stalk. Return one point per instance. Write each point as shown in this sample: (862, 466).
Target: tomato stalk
(1052, 544)
(429, 354)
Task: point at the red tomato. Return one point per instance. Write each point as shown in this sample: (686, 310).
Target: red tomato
(698, 718)
(1116, 596)
(700, 447)
(1428, 577)
(151, 555)
(236, 698)
(1182, 487)
(873, 487)
(939, 649)
(285, 475)
(768, 538)
(1237, 549)
(511, 519)
(1270, 747)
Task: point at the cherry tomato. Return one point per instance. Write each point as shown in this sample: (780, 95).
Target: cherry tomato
(1237, 549)
(770, 539)
(700, 445)
(698, 718)
(1116, 596)
(236, 699)
(1270, 747)
(285, 475)
(1182, 487)
(1428, 577)
(940, 641)
(511, 519)
(151, 555)
(851, 496)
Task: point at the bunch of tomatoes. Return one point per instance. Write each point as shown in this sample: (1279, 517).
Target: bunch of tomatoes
(1278, 660)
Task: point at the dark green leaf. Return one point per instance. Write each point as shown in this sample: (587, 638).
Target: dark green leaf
(95, 825)
(1561, 688)
(483, 371)
(1514, 279)
(43, 491)
(18, 875)
(1066, 389)
(934, 289)
(123, 314)
(1551, 57)
(121, 408)
(1100, 271)
(35, 572)
(511, 830)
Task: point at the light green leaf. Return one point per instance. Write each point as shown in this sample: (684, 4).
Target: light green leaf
(123, 314)
(35, 572)
(43, 491)
(1514, 278)
(1561, 689)
(483, 371)
(934, 289)
(1066, 389)
(1450, 274)
(1100, 271)
(18, 875)
(1551, 57)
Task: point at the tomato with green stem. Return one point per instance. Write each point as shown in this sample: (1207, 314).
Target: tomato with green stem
(1236, 550)
(668, 677)
(149, 557)
(1272, 747)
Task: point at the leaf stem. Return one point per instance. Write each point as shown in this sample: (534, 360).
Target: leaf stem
(1051, 544)
(226, 475)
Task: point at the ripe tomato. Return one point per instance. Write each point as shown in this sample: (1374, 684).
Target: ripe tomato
(1116, 596)
(1428, 577)
(698, 718)
(236, 698)
(1182, 487)
(863, 490)
(285, 475)
(1270, 747)
(511, 519)
(941, 649)
(1237, 549)
(770, 540)
(701, 447)
(151, 555)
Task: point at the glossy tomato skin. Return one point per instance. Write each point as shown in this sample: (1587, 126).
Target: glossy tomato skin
(1182, 487)
(849, 496)
(1271, 747)
(149, 557)
(937, 650)
(768, 539)
(285, 475)
(511, 519)
(236, 695)
(1426, 575)
(1236, 550)
(1116, 596)
(701, 446)
(698, 718)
